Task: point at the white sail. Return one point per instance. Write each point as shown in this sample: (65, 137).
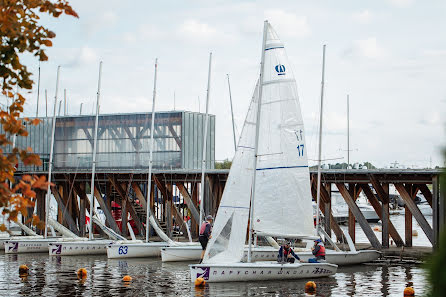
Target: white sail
(229, 231)
(282, 204)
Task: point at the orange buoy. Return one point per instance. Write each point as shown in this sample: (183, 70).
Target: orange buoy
(200, 282)
(23, 270)
(377, 228)
(310, 287)
(127, 278)
(409, 291)
(81, 273)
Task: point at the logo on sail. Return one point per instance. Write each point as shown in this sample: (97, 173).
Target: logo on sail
(280, 69)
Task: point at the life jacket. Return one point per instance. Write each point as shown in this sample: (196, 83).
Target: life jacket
(321, 252)
(286, 252)
(203, 227)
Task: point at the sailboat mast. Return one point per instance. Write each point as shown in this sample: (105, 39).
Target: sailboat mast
(38, 93)
(318, 194)
(203, 162)
(232, 114)
(348, 131)
(50, 165)
(152, 131)
(259, 105)
(95, 141)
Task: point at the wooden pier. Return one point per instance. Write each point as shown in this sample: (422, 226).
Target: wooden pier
(174, 200)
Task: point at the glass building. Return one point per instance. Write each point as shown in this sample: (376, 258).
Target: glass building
(123, 141)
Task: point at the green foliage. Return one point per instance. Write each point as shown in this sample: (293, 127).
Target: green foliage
(226, 164)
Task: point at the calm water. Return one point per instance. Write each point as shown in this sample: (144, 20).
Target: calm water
(55, 276)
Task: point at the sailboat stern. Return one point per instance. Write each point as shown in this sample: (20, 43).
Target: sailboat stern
(260, 271)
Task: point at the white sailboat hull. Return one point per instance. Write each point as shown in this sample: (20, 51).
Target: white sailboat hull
(135, 250)
(73, 248)
(27, 246)
(192, 253)
(260, 271)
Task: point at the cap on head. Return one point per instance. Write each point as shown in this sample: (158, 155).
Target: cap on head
(209, 217)
(318, 240)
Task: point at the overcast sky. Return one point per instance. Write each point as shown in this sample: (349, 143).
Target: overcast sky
(389, 55)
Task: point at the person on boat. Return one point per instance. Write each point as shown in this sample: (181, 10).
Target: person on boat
(205, 234)
(286, 254)
(318, 251)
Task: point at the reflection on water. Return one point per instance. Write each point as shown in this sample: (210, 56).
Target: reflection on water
(55, 276)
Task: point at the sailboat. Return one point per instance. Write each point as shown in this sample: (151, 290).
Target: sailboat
(135, 249)
(268, 182)
(39, 244)
(192, 251)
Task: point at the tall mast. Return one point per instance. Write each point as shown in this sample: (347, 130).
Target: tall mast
(348, 131)
(203, 162)
(50, 165)
(46, 104)
(64, 102)
(318, 194)
(152, 131)
(232, 114)
(38, 93)
(95, 141)
(259, 105)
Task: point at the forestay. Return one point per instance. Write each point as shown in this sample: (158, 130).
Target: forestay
(282, 201)
(229, 231)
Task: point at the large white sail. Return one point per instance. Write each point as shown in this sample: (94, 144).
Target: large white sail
(229, 231)
(282, 203)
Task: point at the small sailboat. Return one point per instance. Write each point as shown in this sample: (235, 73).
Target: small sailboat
(136, 249)
(268, 182)
(39, 244)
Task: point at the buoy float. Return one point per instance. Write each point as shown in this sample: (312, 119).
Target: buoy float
(23, 270)
(81, 273)
(414, 233)
(310, 287)
(127, 278)
(409, 291)
(200, 282)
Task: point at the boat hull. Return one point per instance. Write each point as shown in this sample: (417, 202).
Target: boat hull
(26, 246)
(135, 250)
(178, 254)
(260, 271)
(74, 248)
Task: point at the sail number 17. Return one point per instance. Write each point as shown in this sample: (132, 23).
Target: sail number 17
(300, 149)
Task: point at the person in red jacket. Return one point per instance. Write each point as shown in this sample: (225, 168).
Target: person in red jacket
(205, 234)
(318, 251)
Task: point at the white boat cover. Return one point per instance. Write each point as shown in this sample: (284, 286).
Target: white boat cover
(229, 231)
(282, 201)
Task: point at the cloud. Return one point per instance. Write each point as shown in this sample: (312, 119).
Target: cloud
(401, 3)
(362, 17)
(369, 48)
(194, 29)
(143, 32)
(288, 23)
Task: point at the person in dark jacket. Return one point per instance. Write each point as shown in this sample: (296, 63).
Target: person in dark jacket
(318, 251)
(205, 234)
(286, 254)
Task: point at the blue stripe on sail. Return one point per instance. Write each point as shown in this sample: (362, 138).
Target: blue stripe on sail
(227, 206)
(282, 167)
(270, 48)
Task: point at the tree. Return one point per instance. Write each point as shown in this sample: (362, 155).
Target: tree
(226, 164)
(21, 34)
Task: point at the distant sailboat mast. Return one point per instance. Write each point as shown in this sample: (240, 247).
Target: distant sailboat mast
(50, 165)
(95, 141)
(152, 132)
(203, 162)
(318, 195)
